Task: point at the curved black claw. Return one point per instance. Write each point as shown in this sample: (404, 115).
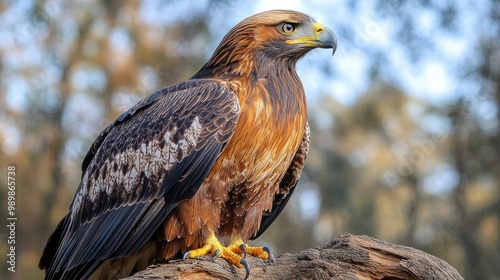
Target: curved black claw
(186, 255)
(243, 248)
(247, 268)
(216, 254)
(270, 256)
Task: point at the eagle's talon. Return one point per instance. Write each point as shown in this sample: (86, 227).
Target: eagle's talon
(243, 248)
(247, 268)
(186, 255)
(270, 256)
(216, 254)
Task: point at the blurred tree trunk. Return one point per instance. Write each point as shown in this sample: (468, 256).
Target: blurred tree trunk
(489, 72)
(413, 208)
(494, 76)
(496, 139)
(496, 145)
(466, 223)
(59, 136)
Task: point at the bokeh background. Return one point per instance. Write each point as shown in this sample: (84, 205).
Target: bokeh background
(405, 116)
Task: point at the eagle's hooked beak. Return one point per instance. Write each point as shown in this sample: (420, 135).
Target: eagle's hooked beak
(323, 38)
(326, 38)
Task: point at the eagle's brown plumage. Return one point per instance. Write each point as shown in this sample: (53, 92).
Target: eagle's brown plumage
(207, 163)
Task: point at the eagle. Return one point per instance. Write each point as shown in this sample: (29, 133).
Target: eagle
(199, 167)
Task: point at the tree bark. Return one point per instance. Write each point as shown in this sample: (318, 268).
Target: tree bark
(348, 256)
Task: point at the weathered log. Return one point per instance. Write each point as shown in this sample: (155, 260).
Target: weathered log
(348, 256)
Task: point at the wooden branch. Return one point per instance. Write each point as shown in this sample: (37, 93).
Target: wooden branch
(348, 256)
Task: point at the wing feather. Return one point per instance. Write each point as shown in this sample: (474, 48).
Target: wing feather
(137, 170)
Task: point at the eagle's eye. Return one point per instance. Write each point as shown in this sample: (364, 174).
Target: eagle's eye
(288, 28)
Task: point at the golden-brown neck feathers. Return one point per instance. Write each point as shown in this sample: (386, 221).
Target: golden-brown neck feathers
(254, 42)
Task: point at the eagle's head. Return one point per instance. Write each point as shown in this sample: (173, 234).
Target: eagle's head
(269, 37)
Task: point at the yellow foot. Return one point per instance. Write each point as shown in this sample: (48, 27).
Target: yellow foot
(216, 249)
(231, 253)
(262, 252)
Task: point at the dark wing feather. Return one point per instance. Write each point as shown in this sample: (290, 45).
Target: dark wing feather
(123, 117)
(138, 169)
(287, 184)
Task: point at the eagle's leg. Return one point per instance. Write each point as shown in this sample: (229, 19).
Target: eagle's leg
(216, 249)
(238, 246)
